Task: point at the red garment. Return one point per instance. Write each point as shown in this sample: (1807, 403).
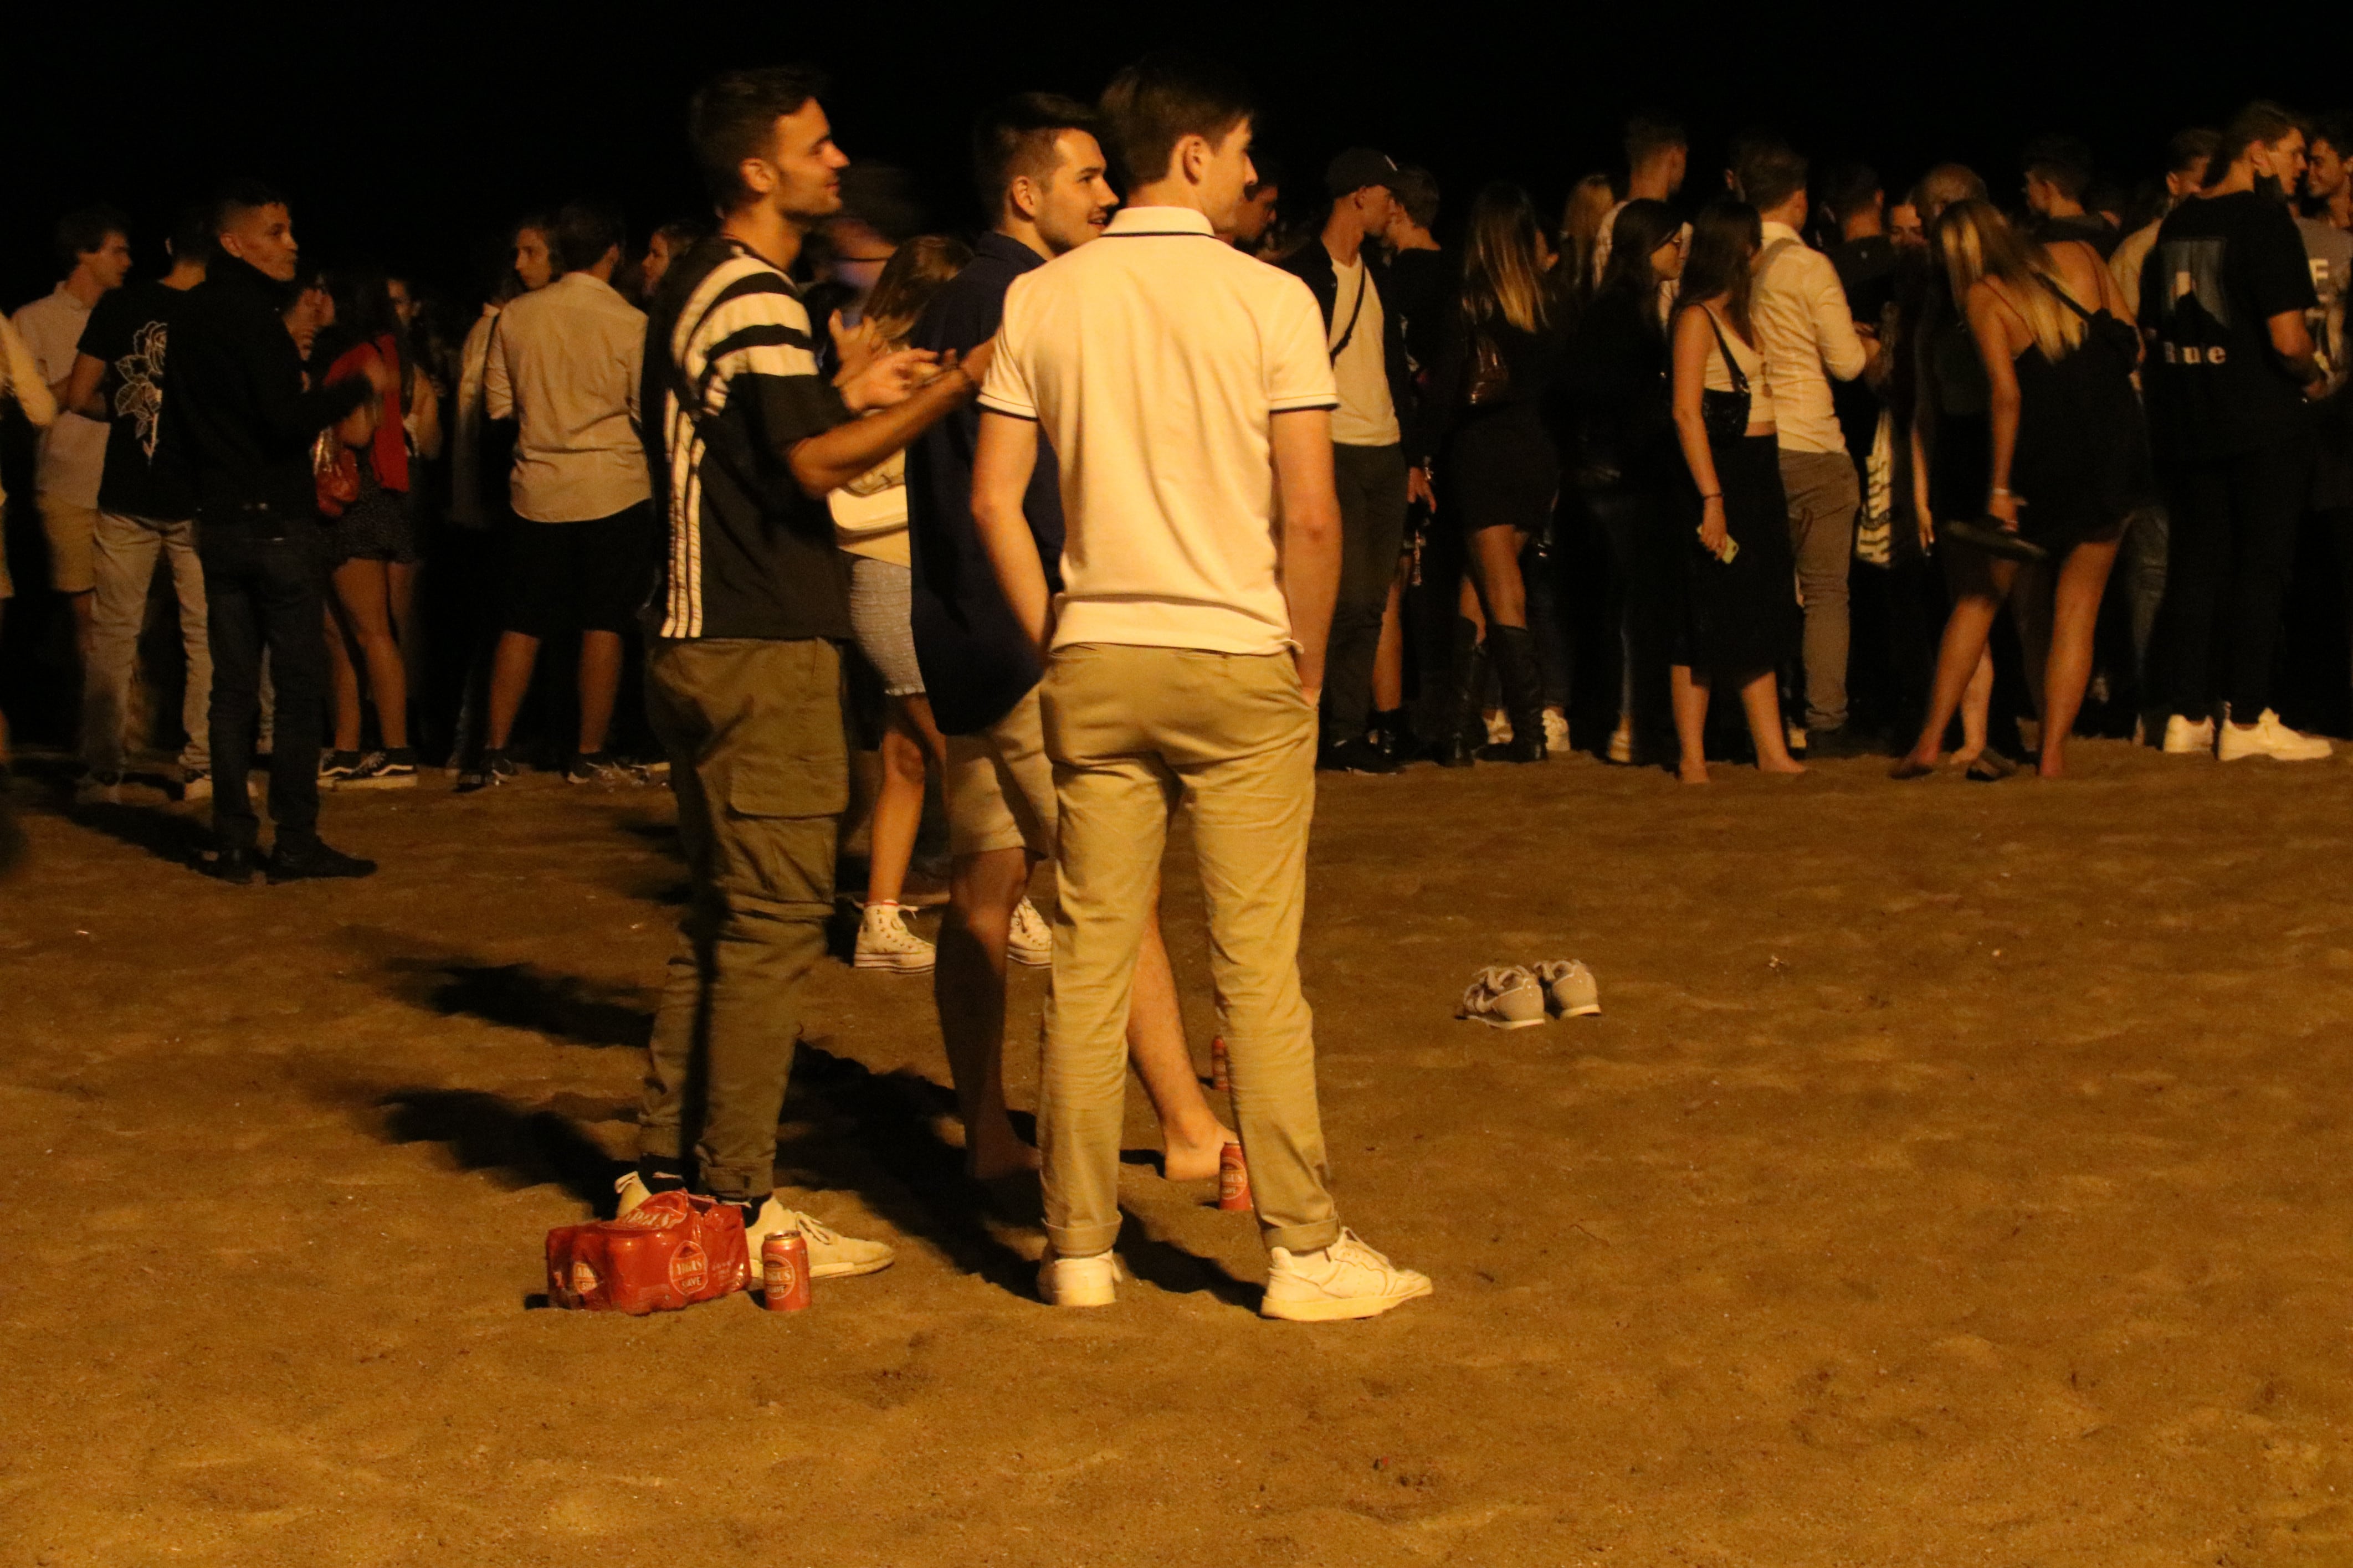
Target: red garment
(389, 453)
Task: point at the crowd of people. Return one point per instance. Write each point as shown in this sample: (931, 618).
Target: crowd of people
(1170, 486)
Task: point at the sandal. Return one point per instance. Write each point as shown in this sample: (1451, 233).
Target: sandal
(1908, 769)
(1990, 768)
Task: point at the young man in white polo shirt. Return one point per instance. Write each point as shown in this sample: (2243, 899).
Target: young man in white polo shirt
(1185, 388)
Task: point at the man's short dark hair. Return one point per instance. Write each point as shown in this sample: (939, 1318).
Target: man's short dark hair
(1651, 132)
(192, 238)
(239, 197)
(85, 229)
(582, 233)
(1416, 189)
(1014, 137)
(2336, 129)
(733, 116)
(1848, 188)
(1164, 98)
(2187, 150)
(2061, 162)
(1770, 173)
(2262, 122)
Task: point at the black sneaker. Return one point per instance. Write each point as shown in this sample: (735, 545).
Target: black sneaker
(1842, 741)
(232, 864)
(494, 768)
(1355, 756)
(396, 769)
(334, 767)
(313, 862)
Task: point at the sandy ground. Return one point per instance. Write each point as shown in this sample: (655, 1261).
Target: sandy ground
(1957, 1175)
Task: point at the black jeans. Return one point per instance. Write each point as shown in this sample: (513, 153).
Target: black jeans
(1371, 482)
(265, 592)
(2232, 522)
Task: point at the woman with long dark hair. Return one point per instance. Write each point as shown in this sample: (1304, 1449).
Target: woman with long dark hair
(1497, 469)
(1623, 459)
(1736, 609)
(2068, 463)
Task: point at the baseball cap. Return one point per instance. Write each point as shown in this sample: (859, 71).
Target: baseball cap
(1358, 167)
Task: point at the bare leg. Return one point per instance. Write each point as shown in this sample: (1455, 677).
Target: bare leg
(1388, 658)
(84, 622)
(1762, 698)
(2030, 606)
(511, 667)
(1977, 705)
(898, 810)
(1691, 694)
(1495, 569)
(969, 987)
(2075, 614)
(1190, 1133)
(344, 683)
(1959, 655)
(400, 590)
(360, 588)
(600, 684)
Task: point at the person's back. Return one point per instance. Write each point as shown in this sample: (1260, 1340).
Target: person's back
(2221, 267)
(1156, 359)
(569, 358)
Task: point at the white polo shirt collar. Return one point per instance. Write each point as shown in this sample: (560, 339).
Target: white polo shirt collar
(1158, 220)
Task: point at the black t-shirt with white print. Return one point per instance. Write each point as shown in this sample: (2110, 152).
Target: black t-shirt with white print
(2222, 268)
(129, 331)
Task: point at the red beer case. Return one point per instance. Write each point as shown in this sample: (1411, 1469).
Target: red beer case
(672, 1251)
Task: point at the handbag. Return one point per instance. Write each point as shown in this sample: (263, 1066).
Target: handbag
(334, 474)
(1725, 413)
(1491, 377)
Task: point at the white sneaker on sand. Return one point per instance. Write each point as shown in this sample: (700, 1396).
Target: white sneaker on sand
(1621, 741)
(2184, 739)
(1556, 725)
(832, 1256)
(886, 941)
(1503, 997)
(1347, 1279)
(1078, 1281)
(2267, 737)
(1499, 726)
(1031, 941)
(1569, 986)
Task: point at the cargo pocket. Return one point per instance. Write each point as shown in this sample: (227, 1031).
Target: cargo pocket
(777, 828)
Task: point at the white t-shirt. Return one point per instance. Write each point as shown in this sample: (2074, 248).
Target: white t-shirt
(1366, 416)
(73, 450)
(1155, 360)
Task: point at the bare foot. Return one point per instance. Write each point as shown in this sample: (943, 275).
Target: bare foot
(1786, 765)
(1001, 1152)
(1913, 766)
(1194, 1161)
(1692, 773)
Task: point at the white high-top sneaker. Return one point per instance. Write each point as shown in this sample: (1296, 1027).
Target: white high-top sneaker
(886, 941)
(1031, 941)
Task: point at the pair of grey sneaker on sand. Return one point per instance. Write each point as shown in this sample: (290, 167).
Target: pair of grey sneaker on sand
(1510, 996)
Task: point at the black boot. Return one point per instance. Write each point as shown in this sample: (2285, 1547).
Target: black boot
(1393, 734)
(1460, 725)
(1514, 649)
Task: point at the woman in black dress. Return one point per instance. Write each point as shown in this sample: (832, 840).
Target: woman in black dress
(2068, 463)
(1497, 470)
(1736, 606)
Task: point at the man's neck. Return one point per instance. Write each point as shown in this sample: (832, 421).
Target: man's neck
(766, 232)
(83, 286)
(2239, 177)
(1021, 231)
(1648, 183)
(1168, 194)
(1417, 237)
(1862, 225)
(1344, 234)
(2336, 207)
(1789, 215)
(184, 275)
(2059, 206)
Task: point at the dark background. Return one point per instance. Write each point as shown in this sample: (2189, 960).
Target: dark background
(409, 135)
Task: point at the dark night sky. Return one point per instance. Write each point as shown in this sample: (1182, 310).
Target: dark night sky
(409, 141)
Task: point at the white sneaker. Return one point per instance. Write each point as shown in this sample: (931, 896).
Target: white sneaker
(1347, 1279)
(886, 941)
(2184, 739)
(1503, 997)
(1031, 941)
(1556, 725)
(1078, 1281)
(832, 1256)
(1499, 726)
(1621, 741)
(1569, 986)
(2269, 738)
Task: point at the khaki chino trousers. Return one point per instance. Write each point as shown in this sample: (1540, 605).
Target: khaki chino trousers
(1134, 732)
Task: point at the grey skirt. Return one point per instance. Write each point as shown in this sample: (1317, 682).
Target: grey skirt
(881, 603)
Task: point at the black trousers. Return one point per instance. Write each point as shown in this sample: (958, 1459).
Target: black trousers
(260, 592)
(1371, 482)
(2232, 538)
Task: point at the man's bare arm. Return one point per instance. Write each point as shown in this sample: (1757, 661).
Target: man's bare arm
(1309, 535)
(1000, 487)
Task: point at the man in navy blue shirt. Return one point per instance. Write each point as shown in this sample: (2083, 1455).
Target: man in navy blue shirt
(1040, 171)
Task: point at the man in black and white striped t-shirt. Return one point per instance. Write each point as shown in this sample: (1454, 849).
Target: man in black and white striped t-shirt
(746, 437)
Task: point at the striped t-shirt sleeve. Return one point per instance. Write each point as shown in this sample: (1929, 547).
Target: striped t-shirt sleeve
(751, 346)
(1298, 361)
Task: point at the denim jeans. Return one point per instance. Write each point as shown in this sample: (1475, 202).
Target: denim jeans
(265, 593)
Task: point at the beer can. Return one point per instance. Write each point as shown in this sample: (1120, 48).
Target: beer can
(1233, 1178)
(784, 1272)
(1219, 1078)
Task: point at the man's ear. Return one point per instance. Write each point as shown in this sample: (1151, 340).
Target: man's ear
(1021, 195)
(1193, 154)
(757, 176)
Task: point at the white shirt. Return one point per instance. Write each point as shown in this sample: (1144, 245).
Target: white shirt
(1366, 416)
(566, 370)
(466, 429)
(73, 450)
(1155, 360)
(1808, 336)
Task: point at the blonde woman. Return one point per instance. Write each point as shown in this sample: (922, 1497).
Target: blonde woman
(1498, 471)
(1590, 201)
(2069, 457)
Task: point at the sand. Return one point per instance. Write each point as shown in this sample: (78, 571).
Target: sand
(1956, 1175)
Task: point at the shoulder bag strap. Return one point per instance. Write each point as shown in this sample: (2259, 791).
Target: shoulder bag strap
(1739, 379)
(1363, 277)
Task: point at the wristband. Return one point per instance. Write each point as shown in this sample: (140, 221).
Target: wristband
(1713, 495)
(2001, 489)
